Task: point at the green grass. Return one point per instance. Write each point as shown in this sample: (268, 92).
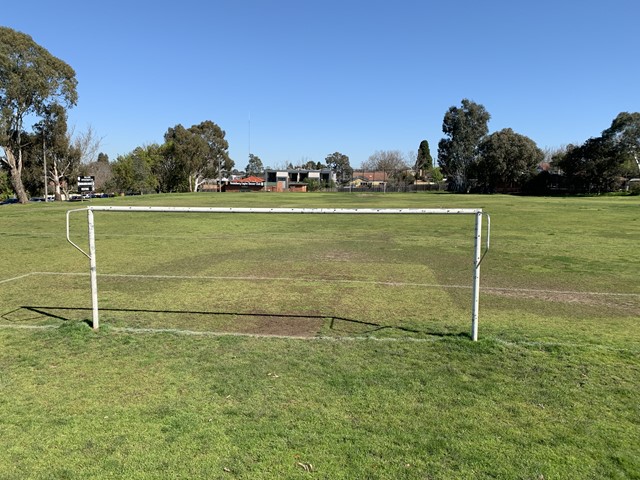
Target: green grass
(389, 384)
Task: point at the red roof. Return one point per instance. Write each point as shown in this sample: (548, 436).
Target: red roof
(250, 179)
(370, 176)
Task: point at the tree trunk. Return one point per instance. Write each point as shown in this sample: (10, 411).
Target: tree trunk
(56, 182)
(198, 181)
(15, 170)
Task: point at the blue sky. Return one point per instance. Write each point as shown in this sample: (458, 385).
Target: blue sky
(298, 80)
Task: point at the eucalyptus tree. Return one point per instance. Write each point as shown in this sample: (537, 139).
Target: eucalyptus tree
(254, 167)
(133, 172)
(506, 158)
(200, 152)
(62, 155)
(464, 127)
(624, 137)
(339, 163)
(32, 174)
(592, 167)
(31, 81)
(188, 155)
(598, 165)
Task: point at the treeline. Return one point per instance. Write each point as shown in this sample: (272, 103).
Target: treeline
(471, 159)
(36, 85)
(181, 164)
(186, 159)
(604, 163)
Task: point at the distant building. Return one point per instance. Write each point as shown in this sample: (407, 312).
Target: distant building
(247, 184)
(297, 180)
(368, 179)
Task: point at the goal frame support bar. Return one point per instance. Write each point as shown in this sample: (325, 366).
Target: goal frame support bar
(478, 254)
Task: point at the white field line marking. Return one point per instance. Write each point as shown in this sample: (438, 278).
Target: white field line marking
(205, 333)
(29, 327)
(559, 292)
(433, 339)
(337, 280)
(16, 278)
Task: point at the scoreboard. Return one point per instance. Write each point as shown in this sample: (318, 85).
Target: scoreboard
(86, 184)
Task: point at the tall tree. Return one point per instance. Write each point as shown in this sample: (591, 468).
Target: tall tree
(339, 163)
(133, 173)
(254, 167)
(201, 150)
(506, 158)
(598, 165)
(63, 157)
(168, 169)
(464, 128)
(624, 136)
(32, 167)
(218, 147)
(31, 80)
(424, 161)
(593, 167)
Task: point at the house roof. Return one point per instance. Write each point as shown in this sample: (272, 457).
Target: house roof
(299, 170)
(251, 180)
(370, 176)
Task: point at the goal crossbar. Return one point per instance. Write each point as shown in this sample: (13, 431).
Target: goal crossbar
(478, 254)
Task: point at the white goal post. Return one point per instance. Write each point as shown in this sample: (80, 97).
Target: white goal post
(478, 255)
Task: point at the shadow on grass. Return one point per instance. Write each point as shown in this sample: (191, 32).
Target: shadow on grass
(364, 327)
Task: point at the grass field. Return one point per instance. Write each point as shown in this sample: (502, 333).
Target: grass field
(300, 346)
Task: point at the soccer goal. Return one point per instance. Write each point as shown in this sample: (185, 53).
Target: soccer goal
(477, 255)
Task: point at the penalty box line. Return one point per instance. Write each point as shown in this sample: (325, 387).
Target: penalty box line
(321, 280)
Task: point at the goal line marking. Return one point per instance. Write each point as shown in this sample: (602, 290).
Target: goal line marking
(323, 280)
(358, 338)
